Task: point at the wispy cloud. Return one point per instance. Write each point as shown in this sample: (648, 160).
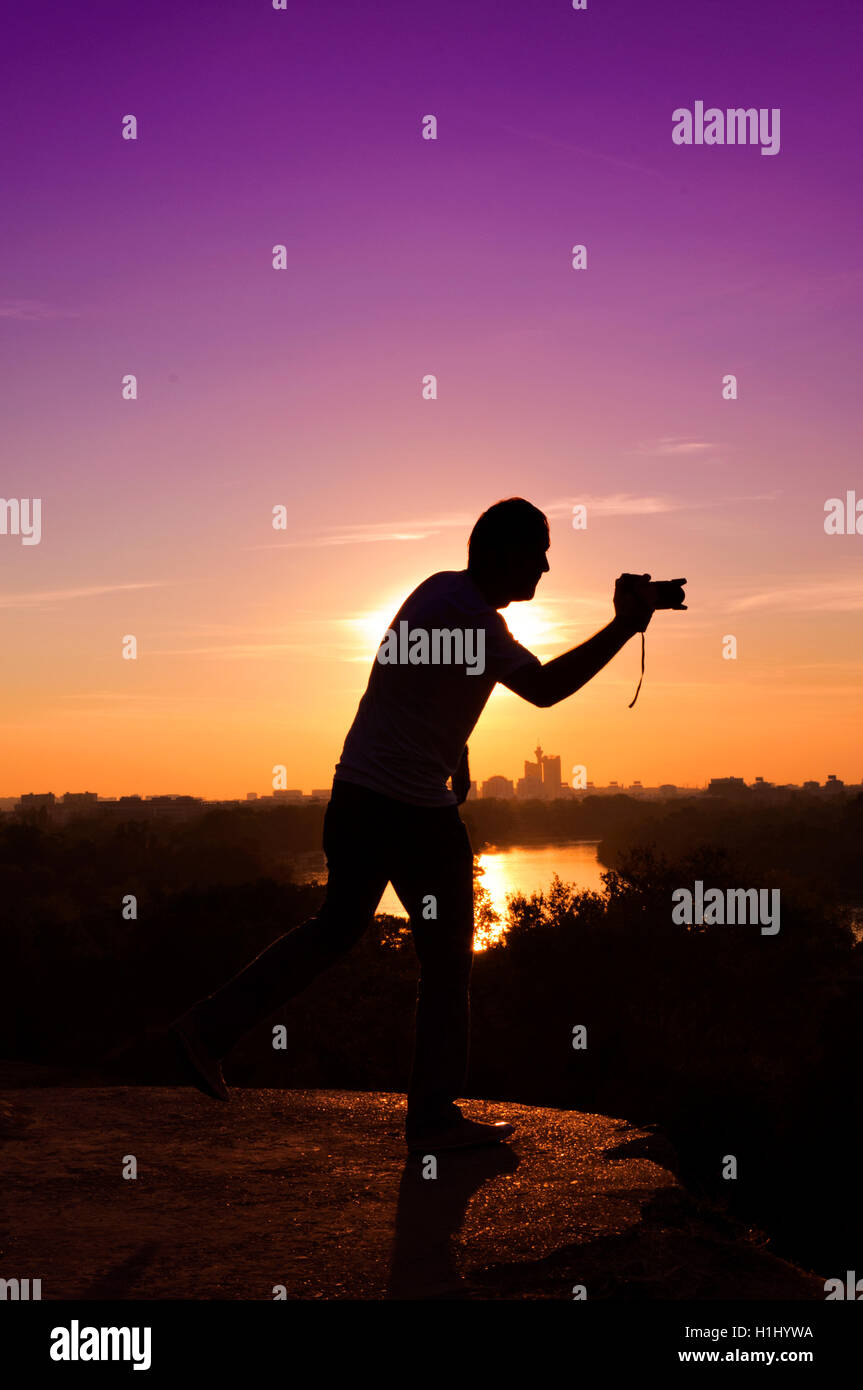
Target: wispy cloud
(325, 638)
(618, 504)
(47, 597)
(674, 444)
(34, 310)
(368, 532)
(112, 695)
(613, 504)
(237, 650)
(630, 504)
(523, 132)
(147, 703)
(356, 537)
(829, 596)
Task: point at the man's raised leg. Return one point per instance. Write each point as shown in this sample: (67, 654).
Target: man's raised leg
(355, 841)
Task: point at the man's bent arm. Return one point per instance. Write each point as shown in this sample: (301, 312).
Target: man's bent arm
(461, 779)
(548, 684)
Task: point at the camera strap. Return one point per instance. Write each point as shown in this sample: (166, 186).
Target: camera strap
(635, 696)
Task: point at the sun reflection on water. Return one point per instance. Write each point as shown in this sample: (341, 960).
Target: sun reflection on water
(521, 869)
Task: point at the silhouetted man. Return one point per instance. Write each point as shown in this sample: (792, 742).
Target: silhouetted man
(393, 818)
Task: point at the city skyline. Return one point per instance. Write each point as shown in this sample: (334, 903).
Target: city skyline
(517, 789)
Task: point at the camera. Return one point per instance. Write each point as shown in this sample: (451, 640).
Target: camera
(664, 593)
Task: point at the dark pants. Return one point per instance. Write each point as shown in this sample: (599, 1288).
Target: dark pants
(369, 841)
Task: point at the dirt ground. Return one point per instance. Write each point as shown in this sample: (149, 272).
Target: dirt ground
(312, 1193)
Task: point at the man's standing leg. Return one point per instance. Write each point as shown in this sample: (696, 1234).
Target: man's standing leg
(434, 879)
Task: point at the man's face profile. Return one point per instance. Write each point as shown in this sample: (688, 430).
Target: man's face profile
(526, 566)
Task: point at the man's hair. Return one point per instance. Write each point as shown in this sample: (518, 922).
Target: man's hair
(508, 525)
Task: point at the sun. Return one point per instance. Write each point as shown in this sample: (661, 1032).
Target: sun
(369, 627)
(530, 623)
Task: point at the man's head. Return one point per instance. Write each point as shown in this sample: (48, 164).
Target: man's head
(506, 551)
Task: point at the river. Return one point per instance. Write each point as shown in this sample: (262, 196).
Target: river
(518, 869)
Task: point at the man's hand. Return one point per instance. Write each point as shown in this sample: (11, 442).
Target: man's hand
(633, 606)
(545, 685)
(461, 779)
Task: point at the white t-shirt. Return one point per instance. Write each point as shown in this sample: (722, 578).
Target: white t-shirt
(422, 701)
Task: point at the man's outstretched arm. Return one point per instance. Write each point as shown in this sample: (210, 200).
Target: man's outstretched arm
(548, 684)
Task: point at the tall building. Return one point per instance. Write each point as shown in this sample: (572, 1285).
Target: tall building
(532, 771)
(551, 779)
(542, 778)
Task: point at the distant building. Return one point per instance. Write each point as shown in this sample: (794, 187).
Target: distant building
(79, 799)
(542, 778)
(31, 801)
(293, 796)
(108, 805)
(499, 787)
(174, 806)
(613, 789)
(528, 789)
(724, 785)
(833, 784)
(321, 793)
(251, 796)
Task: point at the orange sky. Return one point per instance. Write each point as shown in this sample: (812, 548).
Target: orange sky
(254, 647)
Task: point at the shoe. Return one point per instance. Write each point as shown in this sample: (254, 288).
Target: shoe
(205, 1069)
(464, 1134)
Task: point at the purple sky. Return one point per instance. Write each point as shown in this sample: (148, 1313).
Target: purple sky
(259, 387)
